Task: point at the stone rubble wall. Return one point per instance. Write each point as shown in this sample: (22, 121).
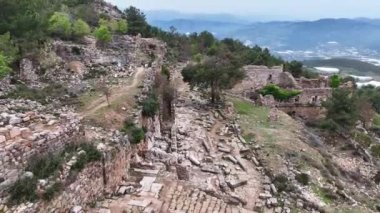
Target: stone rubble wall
(93, 183)
(26, 131)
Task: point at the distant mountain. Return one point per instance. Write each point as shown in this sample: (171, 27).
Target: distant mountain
(287, 35)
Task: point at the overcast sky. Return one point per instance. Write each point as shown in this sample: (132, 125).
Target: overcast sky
(287, 9)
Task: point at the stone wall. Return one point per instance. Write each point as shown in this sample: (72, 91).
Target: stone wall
(308, 113)
(27, 130)
(260, 76)
(93, 183)
(313, 83)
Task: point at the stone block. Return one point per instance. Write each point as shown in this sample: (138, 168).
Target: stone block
(26, 133)
(2, 139)
(15, 132)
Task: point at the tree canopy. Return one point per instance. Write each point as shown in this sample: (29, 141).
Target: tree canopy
(216, 73)
(342, 108)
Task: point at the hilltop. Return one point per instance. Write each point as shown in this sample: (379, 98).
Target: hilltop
(102, 112)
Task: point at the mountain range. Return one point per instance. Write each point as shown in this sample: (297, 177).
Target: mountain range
(361, 33)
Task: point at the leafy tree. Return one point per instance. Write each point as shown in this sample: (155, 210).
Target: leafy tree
(102, 34)
(136, 21)
(373, 95)
(342, 108)
(4, 65)
(81, 28)
(122, 26)
(60, 25)
(8, 47)
(294, 67)
(216, 73)
(335, 81)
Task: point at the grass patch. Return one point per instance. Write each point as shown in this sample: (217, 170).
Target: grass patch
(252, 115)
(52, 191)
(40, 95)
(375, 149)
(362, 138)
(325, 194)
(376, 121)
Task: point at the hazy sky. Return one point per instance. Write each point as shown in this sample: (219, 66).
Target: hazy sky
(288, 9)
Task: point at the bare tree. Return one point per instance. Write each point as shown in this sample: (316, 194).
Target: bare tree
(103, 87)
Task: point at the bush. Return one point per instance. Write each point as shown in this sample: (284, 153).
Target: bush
(8, 48)
(45, 166)
(335, 81)
(364, 139)
(81, 28)
(91, 154)
(52, 191)
(375, 149)
(278, 93)
(135, 134)
(282, 183)
(165, 71)
(122, 26)
(150, 105)
(4, 66)
(23, 190)
(303, 178)
(102, 34)
(60, 25)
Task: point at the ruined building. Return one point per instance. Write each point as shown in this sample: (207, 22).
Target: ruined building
(307, 105)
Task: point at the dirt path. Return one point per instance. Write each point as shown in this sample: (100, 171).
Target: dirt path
(116, 93)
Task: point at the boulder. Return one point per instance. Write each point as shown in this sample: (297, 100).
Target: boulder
(15, 132)
(2, 139)
(14, 120)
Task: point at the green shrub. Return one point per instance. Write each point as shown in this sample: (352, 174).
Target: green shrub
(4, 66)
(52, 191)
(303, 178)
(282, 183)
(165, 71)
(45, 166)
(364, 139)
(122, 26)
(328, 124)
(375, 149)
(81, 28)
(103, 34)
(278, 93)
(90, 154)
(135, 134)
(23, 190)
(335, 81)
(150, 105)
(60, 24)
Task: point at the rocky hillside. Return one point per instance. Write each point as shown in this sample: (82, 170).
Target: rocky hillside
(111, 121)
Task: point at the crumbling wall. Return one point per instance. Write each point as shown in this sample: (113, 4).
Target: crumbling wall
(313, 83)
(27, 130)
